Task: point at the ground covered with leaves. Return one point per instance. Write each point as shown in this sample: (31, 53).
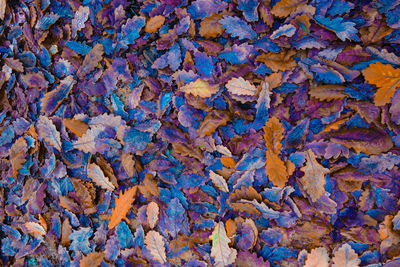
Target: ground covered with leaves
(200, 133)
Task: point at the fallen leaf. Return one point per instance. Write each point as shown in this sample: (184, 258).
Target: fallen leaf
(240, 86)
(123, 204)
(199, 88)
(92, 59)
(278, 62)
(78, 127)
(48, 132)
(152, 214)
(386, 78)
(35, 228)
(221, 252)
(18, 155)
(318, 257)
(284, 7)
(155, 244)
(219, 181)
(3, 5)
(96, 174)
(154, 23)
(93, 259)
(51, 100)
(345, 256)
(314, 177)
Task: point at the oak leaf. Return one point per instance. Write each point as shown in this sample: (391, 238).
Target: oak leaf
(152, 212)
(154, 23)
(219, 181)
(17, 155)
(278, 62)
(284, 7)
(318, 257)
(386, 78)
(48, 132)
(221, 252)
(92, 59)
(314, 177)
(95, 173)
(199, 88)
(275, 168)
(155, 244)
(240, 86)
(345, 256)
(123, 204)
(92, 259)
(35, 228)
(77, 127)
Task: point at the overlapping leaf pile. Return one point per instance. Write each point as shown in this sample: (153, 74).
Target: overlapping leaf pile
(200, 133)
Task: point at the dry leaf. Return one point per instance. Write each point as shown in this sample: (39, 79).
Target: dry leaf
(51, 100)
(95, 173)
(318, 257)
(219, 181)
(48, 132)
(240, 86)
(314, 177)
(123, 204)
(282, 61)
(92, 59)
(210, 27)
(92, 259)
(149, 187)
(128, 163)
(386, 78)
(17, 155)
(275, 168)
(155, 244)
(345, 256)
(154, 23)
(152, 214)
(3, 5)
(35, 228)
(77, 127)
(327, 92)
(284, 7)
(221, 252)
(199, 88)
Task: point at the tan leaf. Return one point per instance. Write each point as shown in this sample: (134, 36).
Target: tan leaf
(154, 23)
(149, 187)
(210, 27)
(35, 228)
(92, 259)
(327, 92)
(314, 177)
(152, 214)
(128, 163)
(155, 244)
(96, 174)
(199, 88)
(284, 7)
(17, 155)
(48, 132)
(3, 5)
(273, 134)
(221, 252)
(219, 181)
(318, 257)
(345, 256)
(123, 204)
(240, 86)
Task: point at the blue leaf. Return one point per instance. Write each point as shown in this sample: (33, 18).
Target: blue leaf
(200, 9)
(249, 8)
(80, 240)
(237, 28)
(343, 29)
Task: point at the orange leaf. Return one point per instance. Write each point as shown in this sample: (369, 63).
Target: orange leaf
(123, 204)
(276, 62)
(275, 168)
(386, 78)
(210, 27)
(92, 259)
(284, 7)
(77, 127)
(154, 23)
(228, 162)
(273, 134)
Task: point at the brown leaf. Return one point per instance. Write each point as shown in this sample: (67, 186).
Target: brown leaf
(149, 187)
(93, 259)
(66, 230)
(123, 204)
(199, 88)
(327, 92)
(155, 244)
(77, 127)
(15, 64)
(17, 155)
(35, 80)
(212, 121)
(96, 174)
(128, 163)
(3, 5)
(154, 23)
(374, 33)
(282, 61)
(284, 7)
(210, 27)
(275, 169)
